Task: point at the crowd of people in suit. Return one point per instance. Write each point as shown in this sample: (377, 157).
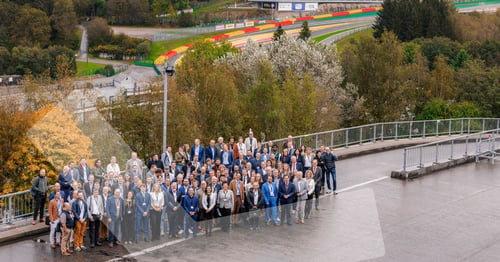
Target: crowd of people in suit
(183, 193)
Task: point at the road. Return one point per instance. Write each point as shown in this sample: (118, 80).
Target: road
(447, 216)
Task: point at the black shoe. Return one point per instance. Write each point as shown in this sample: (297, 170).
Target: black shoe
(92, 246)
(146, 240)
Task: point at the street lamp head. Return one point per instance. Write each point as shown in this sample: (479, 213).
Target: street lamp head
(169, 70)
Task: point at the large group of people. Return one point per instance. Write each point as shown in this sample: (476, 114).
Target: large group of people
(239, 182)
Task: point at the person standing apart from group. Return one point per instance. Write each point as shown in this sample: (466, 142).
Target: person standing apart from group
(39, 188)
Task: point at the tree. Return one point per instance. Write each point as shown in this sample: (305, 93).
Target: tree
(63, 20)
(278, 33)
(30, 28)
(129, 12)
(305, 32)
(441, 81)
(99, 33)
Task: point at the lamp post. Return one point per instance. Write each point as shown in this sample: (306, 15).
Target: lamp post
(169, 71)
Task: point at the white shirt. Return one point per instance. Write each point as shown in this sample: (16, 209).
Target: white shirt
(113, 167)
(255, 197)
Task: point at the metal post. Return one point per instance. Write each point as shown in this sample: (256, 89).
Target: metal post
(421, 154)
(466, 145)
(451, 151)
(347, 138)
(449, 128)
(331, 139)
(360, 135)
(10, 212)
(483, 124)
(423, 135)
(300, 138)
(461, 126)
(437, 128)
(316, 141)
(437, 153)
(468, 125)
(404, 159)
(375, 133)
(165, 97)
(396, 131)
(410, 130)
(382, 133)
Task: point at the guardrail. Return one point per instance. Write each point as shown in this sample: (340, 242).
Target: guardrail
(337, 37)
(372, 133)
(16, 206)
(479, 145)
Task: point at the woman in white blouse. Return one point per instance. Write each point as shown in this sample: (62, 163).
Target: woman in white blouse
(208, 202)
(310, 193)
(157, 203)
(113, 166)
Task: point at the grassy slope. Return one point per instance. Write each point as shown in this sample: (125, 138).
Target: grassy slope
(341, 44)
(84, 68)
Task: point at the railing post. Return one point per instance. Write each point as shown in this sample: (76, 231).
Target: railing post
(347, 138)
(10, 212)
(382, 133)
(420, 160)
(483, 124)
(423, 135)
(300, 141)
(451, 151)
(449, 128)
(410, 129)
(466, 145)
(404, 159)
(461, 126)
(316, 141)
(437, 154)
(360, 135)
(468, 125)
(331, 139)
(396, 131)
(437, 127)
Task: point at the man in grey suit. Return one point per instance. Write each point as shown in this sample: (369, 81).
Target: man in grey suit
(134, 161)
(301, 189)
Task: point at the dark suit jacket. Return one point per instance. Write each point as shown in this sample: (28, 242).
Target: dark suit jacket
(212, 155)
(75, 208)
(201, 154)
(317, 176)
(230, 158)
(250, 199)
(284, 192)
(82, 175)
(173, 200)
(299, 166)
(88, 190)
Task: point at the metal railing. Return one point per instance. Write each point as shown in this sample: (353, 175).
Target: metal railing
(17, 206)
(342, 35)
(372, 133)
(480, 145)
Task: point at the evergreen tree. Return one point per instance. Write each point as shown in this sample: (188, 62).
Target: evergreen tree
(305, 32)
(63, 20)
(278, 33)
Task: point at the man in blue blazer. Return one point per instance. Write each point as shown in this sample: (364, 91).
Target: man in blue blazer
(143, 205)
(114, 210)
(286, 191)
(190, 205)
(227, 157)
(198, 150)
(270, 192)
(80, 210)
(211, 151)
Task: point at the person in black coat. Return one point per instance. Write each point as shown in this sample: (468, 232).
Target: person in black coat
(255, 201)
(128, 225)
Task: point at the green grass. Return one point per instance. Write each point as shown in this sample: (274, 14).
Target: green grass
(325, 36)
(85, 69)
(160, 47)
(341, 44)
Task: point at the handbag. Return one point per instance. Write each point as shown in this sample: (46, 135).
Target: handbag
(47, 221)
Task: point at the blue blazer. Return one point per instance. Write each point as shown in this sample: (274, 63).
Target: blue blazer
(111, 208)
(267, 193)
(201, 154)
(209, 154)
(143, 204)
(75, 208)
(230, 158)
(62, 180)
(190, 204)
(290, 192)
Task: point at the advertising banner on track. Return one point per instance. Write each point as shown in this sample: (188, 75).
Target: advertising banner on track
(240, 25)
(298, 6)
(229, 26)
(219, 27)
(249, 24)
(311, 6)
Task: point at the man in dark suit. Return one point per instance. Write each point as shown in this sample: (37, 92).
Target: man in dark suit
(80, 210)
(83, 170)
(65, 180)
(143, 205)
(318, 178)
(255, 201)
(114, 209)
(211, 151)
(88, 187)
(198, 150)
(286, 192)
(294, 165)
(174, 212)
(250, 159)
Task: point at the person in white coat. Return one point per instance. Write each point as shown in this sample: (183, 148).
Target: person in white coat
(209, 200)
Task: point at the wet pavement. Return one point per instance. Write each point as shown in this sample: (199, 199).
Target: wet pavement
(447, 216)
